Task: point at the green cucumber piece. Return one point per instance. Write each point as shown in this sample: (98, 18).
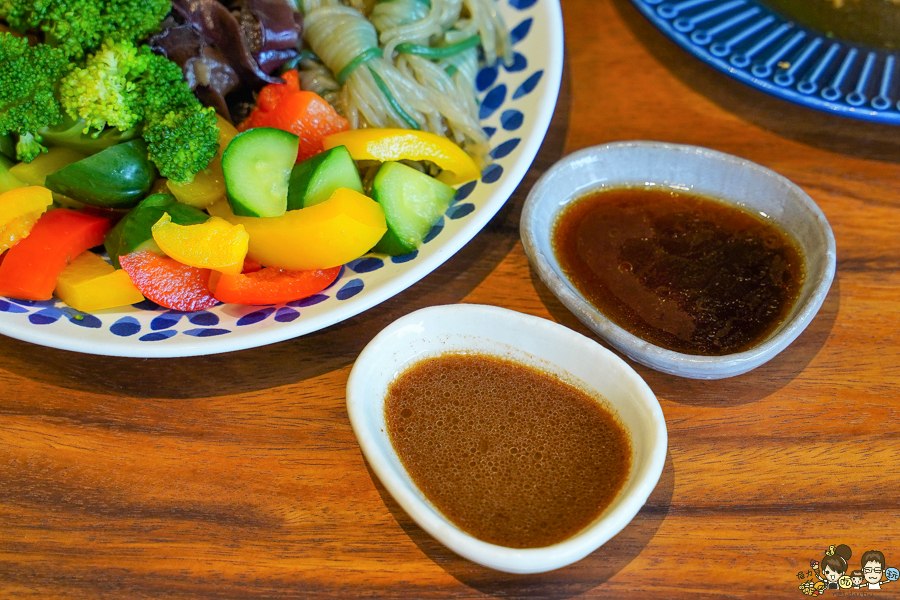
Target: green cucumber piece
(257, 166)
(132, 232)
(117, 177)
(315, 179)
(412, 202)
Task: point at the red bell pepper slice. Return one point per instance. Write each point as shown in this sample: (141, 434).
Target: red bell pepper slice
(30, 268)
(273, 286)
(168, 282)
(305, 114)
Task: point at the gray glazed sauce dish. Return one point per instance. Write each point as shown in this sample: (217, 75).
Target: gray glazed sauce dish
(698, 171)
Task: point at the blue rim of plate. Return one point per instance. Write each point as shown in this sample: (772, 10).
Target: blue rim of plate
(759, 47)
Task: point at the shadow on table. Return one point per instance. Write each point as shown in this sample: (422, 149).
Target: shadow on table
(844, 135)
(749, 387)
(573, 580)
(301, 358)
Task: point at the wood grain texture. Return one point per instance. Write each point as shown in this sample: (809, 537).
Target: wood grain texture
(238, 476)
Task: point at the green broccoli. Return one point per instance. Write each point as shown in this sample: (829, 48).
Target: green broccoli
(28, 77)
(122, 87)
(182, 143)
(102, 92)
(181, 134)
(79, 26)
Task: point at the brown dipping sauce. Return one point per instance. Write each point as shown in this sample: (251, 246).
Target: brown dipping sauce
(684, 272)
(509, 454)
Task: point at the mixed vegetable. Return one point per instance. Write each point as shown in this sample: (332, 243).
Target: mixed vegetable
(104, 142)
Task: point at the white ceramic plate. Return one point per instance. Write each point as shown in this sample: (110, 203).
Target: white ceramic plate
(517, 105)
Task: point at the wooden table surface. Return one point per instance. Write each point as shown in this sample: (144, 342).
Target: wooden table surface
(238, 475)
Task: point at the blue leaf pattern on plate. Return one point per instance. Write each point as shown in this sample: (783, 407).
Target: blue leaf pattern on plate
(204, 319)
(505, 148)
(86, 320)
(165, 321)
(492, 101)
(158, 336)
(528, 86)
(460, 210)
(464, 191)
(206, 332)
(486, 78)
(520, 31)
(403, 258)
(492, 173)
(11, 308)
(435, 231)
(310, 301)
(286, 315)
(350, 289)
(512, 119)
(126, 326)
(255, 317)
(520, 63)
(366, 264)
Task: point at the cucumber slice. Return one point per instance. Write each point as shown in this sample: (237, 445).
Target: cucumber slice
(412, 202)
(315, 179)
(257, 166)
(117, 177)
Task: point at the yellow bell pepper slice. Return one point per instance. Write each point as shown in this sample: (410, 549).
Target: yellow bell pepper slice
(89, 283)
(405, 144)
(208, 185)
(215, 244)
(19, 211)
(331, 233)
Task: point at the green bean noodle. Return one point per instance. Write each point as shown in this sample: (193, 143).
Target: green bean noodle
(405, 63)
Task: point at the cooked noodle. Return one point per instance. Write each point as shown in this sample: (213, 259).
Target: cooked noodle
(372, 71)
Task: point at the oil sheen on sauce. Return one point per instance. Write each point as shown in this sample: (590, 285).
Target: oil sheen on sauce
(684, 272)
(509, 454)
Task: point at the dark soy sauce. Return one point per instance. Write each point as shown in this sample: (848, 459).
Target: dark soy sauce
(684, 272)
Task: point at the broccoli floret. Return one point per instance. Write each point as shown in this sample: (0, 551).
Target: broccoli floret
(103, 91)
(29, 147)
(133, 20)
(28, 77)
(79, 26)
(181, 134)
(124, 87)
(182, 143)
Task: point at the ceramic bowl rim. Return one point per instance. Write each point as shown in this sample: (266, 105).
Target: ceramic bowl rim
(388, 467)
(650, 355)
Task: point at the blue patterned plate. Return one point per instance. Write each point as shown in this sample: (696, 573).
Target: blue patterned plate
(516, 108)
(758, 46)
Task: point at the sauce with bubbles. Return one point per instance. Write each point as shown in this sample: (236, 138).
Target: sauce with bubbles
(684, 272)
(510, 454)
